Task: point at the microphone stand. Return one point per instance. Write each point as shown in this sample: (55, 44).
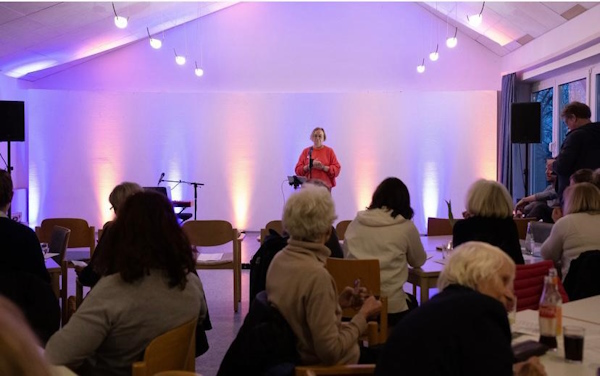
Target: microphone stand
(195, 191)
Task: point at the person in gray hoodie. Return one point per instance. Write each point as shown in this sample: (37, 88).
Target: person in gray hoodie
(385, 232)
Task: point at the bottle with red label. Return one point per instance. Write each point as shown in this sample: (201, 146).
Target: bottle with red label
(553, 274)
(549, 310)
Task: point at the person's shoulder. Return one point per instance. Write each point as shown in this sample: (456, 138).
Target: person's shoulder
(16, 227)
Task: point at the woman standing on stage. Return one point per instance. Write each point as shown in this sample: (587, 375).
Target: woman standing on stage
(318, 161)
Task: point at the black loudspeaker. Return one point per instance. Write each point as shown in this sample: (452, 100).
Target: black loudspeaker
(12, 121)
(525, 123)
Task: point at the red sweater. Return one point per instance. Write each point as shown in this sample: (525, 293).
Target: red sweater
(327, 157)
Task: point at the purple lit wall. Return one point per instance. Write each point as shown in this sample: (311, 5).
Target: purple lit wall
(274, 71)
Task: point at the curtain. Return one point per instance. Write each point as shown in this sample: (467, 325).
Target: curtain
(507, 97)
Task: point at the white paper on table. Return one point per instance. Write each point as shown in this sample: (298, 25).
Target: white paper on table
(210, 256)
(440, 261)
(49, 255)
(430, 254)
(82, 264)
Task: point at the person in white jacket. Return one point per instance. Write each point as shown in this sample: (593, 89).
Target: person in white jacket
(385, 232)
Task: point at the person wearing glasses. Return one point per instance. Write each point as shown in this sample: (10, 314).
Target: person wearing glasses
(318, 161)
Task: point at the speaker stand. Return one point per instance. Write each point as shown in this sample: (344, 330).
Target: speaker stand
(9, 170)
(526, 170)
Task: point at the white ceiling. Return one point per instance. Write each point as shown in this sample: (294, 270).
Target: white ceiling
(40, 38)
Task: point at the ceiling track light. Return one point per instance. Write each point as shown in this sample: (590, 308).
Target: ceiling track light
(180, 60)
(155, 43)
(421, 68)
(475, 20)
(435, 55)
(199, 71)
(120, 21)
(452, 41)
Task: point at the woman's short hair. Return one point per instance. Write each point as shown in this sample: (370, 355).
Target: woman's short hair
(584, 175)
(471, 263)
(145, 236)
(392, 194)
(120, 193)
(581, 198)
(318, 129)
(19, 349)
(488, 198)
(309, 213)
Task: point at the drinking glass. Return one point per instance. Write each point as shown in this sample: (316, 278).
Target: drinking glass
(45, 248)
(573, 340)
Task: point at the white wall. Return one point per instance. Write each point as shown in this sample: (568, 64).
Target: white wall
(274, 71)
(243, 145)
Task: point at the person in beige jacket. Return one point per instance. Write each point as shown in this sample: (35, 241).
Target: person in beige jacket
(303, 291)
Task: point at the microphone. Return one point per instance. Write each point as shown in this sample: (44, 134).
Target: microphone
(162, 175)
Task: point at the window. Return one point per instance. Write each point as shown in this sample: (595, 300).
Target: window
(567, 93)
(540, 152)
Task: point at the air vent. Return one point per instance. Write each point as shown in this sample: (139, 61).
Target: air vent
(573, 12)
(525, 39)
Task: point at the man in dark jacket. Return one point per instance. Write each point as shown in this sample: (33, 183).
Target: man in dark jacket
(581, 148)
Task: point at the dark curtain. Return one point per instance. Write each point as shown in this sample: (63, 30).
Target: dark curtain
(507, 97)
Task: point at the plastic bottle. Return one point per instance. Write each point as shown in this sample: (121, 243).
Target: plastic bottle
(548, 312)
(553, 274)
(529, 241)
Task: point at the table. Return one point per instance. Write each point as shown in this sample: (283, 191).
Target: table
(587, 310)
(55, 271)
(427, 275)
(553, 361)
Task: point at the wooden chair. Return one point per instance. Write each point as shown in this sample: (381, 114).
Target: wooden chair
(353, 369)
(215, 233)
(173, 350)
(276, 225)
(541, 231)
(340, 229)
(529, 284)
(82, 234)
(522, 226)
(438, 226)
(345, 272)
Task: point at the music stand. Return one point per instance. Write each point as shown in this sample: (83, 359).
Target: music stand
(296, 181)
(190, 183)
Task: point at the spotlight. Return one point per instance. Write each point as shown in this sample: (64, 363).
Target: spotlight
(421, 68)
(180, 60)
(475, 20)
(434, 55)
(199, 71)
(120, 22)
(452, 41)
(155, 43)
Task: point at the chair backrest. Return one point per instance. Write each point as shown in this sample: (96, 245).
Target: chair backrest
(59, 241)
(529, 284)
(173, 350)
(340, 229)
(522, 226)
(209, 233)
(82, 234)
(346, 272)
(340, 370)
(276, 225)
(583, 279)
(438, 226)
(541, 231)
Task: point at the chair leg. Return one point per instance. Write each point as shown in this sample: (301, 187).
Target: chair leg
(64, 292)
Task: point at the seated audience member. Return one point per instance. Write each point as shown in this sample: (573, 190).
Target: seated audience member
(153, 289)
(385, 232)
(87, 276)
(20, 354)
(21, 251)
(301, 289)
(585, 175)
(540, 205)
(578, 230)
(464, 329)
(489, 219)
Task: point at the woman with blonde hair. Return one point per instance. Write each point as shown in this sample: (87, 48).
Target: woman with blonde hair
(577, 231)
(489, 219)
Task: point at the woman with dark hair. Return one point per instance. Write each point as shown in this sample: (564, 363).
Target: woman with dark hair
(385, 232)
(149, 287)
